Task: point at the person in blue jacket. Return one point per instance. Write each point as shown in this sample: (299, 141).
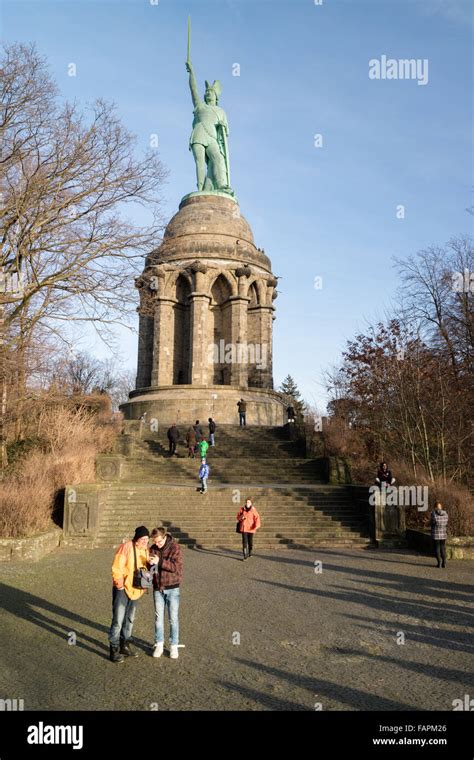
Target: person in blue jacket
(203, 475)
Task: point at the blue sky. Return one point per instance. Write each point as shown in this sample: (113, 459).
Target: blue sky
(325, 212)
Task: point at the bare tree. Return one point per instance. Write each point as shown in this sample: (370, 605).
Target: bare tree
(66, 181)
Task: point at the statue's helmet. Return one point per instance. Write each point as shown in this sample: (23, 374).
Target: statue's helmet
(215, 88)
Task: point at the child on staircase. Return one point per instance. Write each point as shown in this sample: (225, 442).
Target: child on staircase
(203, 475)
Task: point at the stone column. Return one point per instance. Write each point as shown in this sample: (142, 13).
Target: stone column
(264, 359)
(239, 369)
(200, 340)
(163, 342)
(145, 351)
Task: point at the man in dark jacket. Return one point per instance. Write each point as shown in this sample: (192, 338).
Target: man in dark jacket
(212, 431)
(166, 583)
(242, 407)
(173, 438)
(198, 430)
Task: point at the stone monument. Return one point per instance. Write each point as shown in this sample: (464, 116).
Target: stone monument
(206, 298)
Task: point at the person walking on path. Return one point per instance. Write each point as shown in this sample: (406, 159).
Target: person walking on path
(173, 438)
(191, 442)
(129, 556)
(242, 407)
(203, 475)
(248, 521)
(168, 574)
(212, 430)
(203, 447)
(439, 533)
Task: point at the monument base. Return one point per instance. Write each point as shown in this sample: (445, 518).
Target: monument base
(184, 404)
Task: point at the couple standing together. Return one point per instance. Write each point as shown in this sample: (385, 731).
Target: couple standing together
(164, 561)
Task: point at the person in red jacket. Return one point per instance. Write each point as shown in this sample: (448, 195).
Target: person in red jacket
(248, 521)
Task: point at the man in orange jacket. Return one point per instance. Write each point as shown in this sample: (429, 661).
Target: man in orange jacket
(248, 521)
(124, 594)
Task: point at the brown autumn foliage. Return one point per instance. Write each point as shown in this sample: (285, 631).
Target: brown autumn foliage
(404, 390)
(69, 437)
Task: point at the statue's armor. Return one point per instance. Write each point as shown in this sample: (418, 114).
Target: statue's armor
(205, 122)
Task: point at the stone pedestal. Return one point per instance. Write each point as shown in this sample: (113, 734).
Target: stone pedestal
(206, 320)
(187, 403)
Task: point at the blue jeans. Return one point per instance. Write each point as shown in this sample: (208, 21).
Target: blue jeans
(203, 485)
(242, 418)
(211, 438)
(167, 598)
(123, 615)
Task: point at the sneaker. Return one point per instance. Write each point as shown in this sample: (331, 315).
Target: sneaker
(174, 654)
(158, 649)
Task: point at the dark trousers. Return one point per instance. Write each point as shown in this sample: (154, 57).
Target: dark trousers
(440, 550)
(247, 544)
(242, 419)
(172, 447)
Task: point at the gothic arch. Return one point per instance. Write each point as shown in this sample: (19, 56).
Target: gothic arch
(220, 310)
(219, 277)
(172, 280)
(181, 330)
(258, 288)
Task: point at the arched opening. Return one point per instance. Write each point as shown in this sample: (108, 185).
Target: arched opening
(221, 316)
(181, 332)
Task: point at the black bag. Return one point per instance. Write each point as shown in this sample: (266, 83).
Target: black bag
(142, 578)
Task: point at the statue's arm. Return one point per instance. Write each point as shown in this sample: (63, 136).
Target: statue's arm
(193, 85)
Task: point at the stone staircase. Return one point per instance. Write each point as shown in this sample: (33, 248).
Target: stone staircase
(297, 507)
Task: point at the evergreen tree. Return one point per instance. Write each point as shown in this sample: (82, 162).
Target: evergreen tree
(293, 397)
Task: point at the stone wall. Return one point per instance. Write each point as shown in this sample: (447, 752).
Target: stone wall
(456, 547)
(31, 548)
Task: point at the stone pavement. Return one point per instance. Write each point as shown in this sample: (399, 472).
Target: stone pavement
(305, 637)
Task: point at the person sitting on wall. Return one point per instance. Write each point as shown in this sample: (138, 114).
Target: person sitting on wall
(384, 475)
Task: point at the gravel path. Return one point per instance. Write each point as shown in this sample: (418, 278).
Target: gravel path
(305, 637)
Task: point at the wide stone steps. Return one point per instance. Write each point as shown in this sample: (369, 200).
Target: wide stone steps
(320, 516)
(243, 471)
(297, 507)
(231, 442)
(216, 453)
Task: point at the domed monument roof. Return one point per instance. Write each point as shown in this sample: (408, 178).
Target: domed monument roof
(209, 225)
